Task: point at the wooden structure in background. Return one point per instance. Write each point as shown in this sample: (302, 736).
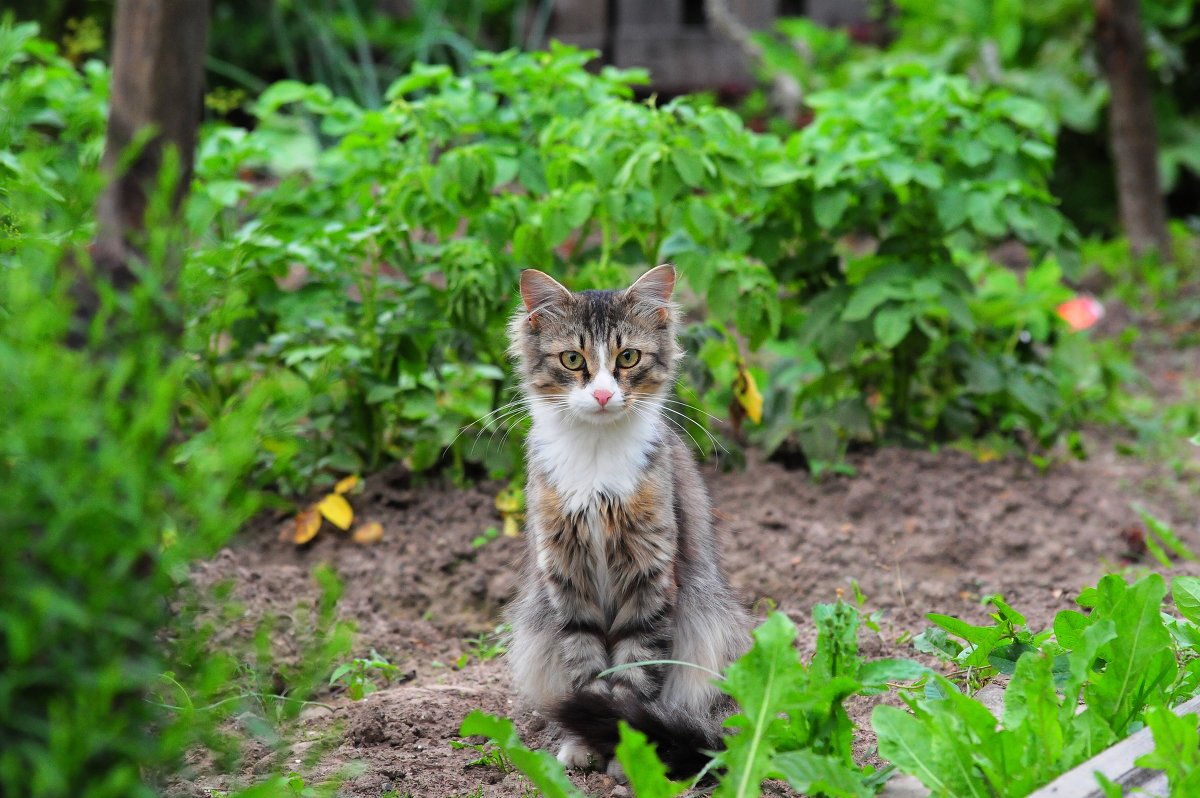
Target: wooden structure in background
(157, 86)
(676, 40)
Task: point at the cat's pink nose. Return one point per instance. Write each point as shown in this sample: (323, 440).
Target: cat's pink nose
(602, 396)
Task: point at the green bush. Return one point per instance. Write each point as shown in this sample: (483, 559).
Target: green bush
(1046, 51)
(103, 504)
(399, 232)
(903, 327)
(369, 255)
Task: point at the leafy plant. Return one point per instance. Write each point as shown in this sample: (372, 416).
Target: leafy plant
(368, 258)
(1124, 661)
(907, 334)
(1176, 749)
(791, 725)
(489, 756)
(484, 646)
(360, 674)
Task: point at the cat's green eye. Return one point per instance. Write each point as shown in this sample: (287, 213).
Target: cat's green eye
(629, 358)
(572, 360)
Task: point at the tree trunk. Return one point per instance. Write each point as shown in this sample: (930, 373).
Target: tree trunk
(157, 86)
(1132, 133)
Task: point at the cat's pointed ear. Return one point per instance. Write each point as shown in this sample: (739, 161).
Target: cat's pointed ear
(540, 292)
(653, 289)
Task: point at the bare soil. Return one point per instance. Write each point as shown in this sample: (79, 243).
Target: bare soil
(918, 531)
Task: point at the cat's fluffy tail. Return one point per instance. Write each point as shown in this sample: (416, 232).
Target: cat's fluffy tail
(684, 742)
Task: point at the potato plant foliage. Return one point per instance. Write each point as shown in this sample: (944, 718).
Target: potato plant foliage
(369, 256)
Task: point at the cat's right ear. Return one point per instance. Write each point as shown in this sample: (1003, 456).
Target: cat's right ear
(540, 292)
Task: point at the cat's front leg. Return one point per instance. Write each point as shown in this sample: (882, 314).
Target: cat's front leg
(641, 631)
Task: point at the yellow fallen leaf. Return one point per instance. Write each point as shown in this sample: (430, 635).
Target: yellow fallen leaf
(307, 524)
(746, 392)
(346, 484)
(511, 504)
(336, 510)
(509, 501)
(370, 532)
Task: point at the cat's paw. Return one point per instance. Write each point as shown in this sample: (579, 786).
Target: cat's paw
(616, 772)
(574, 755)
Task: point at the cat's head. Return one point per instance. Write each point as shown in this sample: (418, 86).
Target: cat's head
(596, 356)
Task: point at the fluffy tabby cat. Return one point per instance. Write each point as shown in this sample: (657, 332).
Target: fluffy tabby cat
(622, 563)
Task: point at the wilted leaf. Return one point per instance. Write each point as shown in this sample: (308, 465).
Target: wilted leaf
(346, 484)
(511, 504)
(336, 510)
(307, 524)
(370, 532)
(748, 396)
(509, 501)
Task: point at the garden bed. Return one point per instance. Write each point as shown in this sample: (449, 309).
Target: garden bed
(918, 531)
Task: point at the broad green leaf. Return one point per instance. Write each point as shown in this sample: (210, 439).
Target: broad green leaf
(908, 742)
(543, 770)
(879, 672)
(984, 636)
(829, 206)
(1005, 658)
(765, 681)
(814, 774)
(892, 324)
(646, 773)
(869, 296)
(1185, 590)
(1068, 628)
(1084, 652)
(1140, 661)
(688, 165)
(1176, 749)
(1031, 716)
(781, 173)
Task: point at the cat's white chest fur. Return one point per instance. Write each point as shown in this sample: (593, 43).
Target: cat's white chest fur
(584, 460)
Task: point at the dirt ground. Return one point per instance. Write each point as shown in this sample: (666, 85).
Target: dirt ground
(918, 531)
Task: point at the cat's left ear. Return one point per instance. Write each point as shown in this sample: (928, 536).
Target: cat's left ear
(653, 290)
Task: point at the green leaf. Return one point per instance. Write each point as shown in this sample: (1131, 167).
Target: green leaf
(892, 324)
(1140, 662)
(814, 774)
(879, 672)
(837, 641)
(1069, 626)
(689, 166)
(829, 206)
(543, 770)
(1031, 715)
(869, 296)
(906, 741)
(1176, 749)
(780, 173)
(646, 773)
(764, 681)
(1185, 590)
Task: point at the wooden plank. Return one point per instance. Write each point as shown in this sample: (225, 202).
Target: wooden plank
(1117, 764)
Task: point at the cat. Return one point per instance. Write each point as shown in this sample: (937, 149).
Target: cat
(622, 562)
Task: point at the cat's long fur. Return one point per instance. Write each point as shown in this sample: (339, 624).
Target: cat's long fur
(623, 563)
